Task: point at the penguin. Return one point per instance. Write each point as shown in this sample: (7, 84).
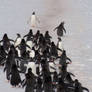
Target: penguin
(22, 47)
(39, 84)
(15, 79)
(47, 37)
(6, 42)
(10, 60)
(60, 29)
(64, 58)
(53, 50)
(30, 81)
(33, 20)
(78, 87)
(29, 36)
(18, 40)
(36, 36)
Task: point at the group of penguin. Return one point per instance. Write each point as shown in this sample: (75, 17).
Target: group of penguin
(40, 60)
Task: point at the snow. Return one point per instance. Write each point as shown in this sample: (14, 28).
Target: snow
(77, 15)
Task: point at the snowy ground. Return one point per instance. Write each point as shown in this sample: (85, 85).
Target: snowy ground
(78, 40)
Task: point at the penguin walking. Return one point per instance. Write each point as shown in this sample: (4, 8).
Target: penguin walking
(60, 29)
(33, 20)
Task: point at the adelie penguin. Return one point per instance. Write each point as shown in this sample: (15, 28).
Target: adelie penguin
(22, 47)
(36, 36)
(60, 29)
(15, 79)
(64, 58)
(78, 87)
(53, 50)
(29, 81)
(29, 39)
(6, 42)
(48, 37)
(29, 36)
(18, 40)
(10, 60)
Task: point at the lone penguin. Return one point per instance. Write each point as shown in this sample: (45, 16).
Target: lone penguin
(33, 20)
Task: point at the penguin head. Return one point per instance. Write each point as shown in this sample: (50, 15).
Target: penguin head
(30, 31)
(30, 70)
(38, 31)
(59, 39)
(5, 36)
(76, 80)
(23, 41)
(18, 35)
(53, 44)
(33, 13)
(47, 32)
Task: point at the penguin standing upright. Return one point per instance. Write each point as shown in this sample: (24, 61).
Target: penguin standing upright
(60, 29)
(6, 42)
(48, 37)
(18, 40)
(33, 20)
(10, 60)
(30, 81)
(15, 77)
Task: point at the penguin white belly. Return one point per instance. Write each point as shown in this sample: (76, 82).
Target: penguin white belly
(57, 65)
(19, 54)
(33, 21)
(30, 44)
(32, 54)
(60, 47)
(18, 41)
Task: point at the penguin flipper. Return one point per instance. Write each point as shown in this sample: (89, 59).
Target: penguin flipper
(85, 89)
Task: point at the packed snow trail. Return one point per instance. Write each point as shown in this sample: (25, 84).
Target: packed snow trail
(78, 41)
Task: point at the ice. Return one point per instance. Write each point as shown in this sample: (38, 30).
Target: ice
(77, 15)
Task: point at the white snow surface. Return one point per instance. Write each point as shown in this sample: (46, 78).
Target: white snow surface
(77, 15)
